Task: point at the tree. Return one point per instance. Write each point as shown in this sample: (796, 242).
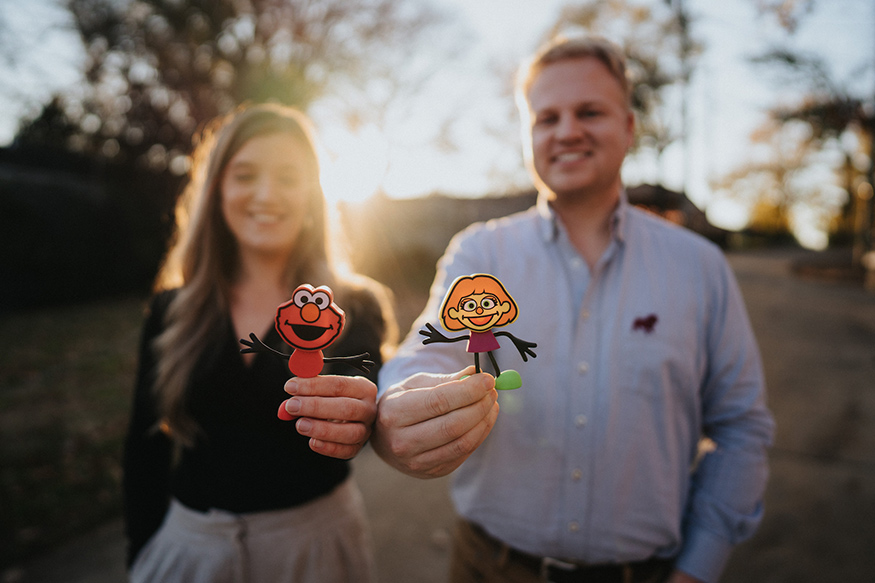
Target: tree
(838, 119)
(832, 129)
(788, 12)
(840, 123)
(660, 54)
(789, 189)
(157, 69)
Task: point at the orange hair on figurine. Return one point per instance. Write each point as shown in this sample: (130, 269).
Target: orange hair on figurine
(479, 303)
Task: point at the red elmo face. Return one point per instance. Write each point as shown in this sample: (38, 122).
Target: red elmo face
(310, 320)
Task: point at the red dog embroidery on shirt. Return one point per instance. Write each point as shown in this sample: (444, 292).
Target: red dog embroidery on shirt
(646, 323)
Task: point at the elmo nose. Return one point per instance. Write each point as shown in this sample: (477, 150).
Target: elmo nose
(479, 310)
(310, 313)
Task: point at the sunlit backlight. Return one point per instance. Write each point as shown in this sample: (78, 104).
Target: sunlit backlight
(423, 169)
(353, 164)
(727, 213)
(808, 228)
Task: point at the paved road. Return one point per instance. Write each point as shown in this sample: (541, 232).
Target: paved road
(818, 344)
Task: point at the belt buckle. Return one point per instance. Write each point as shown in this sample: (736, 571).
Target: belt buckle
(548, 564)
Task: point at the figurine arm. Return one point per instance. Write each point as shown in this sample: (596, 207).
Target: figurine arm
(524, 347)
(254, 345)
(433, 335)
(361, 361)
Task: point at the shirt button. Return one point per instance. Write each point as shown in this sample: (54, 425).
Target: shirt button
(576, 475)
(573, 526)
(583, 367)
(576, 263)
(584, 314)
(580, 420)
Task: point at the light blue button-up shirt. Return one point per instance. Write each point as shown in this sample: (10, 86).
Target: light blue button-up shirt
(638, 359)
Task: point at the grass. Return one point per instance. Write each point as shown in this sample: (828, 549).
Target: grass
(66, 378)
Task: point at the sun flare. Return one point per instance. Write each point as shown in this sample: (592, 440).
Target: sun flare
(353, 165)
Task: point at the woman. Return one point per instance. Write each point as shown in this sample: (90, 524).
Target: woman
(217, 488)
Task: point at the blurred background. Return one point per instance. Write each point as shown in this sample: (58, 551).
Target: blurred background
(755, 128)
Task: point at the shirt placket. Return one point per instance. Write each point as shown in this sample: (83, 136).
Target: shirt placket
(578, 442)
(581, 422)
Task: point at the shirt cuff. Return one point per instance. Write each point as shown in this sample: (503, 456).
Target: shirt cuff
(704, 555)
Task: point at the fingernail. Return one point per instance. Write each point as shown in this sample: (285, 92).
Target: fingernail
(291, 386)
(293, 405)
(304, 425)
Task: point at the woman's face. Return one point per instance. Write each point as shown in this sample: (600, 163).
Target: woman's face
(265, 189)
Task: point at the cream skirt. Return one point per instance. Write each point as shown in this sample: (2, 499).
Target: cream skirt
(324, 541)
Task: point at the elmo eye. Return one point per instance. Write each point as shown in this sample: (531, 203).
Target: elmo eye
(302, 297)
(488, 303)
(321, 300)
(469, 305)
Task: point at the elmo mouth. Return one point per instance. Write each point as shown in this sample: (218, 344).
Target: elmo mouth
(481, 321)
(307, 332)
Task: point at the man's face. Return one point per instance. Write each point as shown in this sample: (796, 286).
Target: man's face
(580, 128)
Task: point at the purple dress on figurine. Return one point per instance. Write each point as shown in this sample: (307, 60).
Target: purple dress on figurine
(482, 342)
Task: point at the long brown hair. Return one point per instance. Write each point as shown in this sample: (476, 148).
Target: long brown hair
(202, 260)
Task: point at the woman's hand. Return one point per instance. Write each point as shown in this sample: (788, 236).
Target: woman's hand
(336, 412)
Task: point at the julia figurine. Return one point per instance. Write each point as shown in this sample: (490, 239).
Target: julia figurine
(478, 303)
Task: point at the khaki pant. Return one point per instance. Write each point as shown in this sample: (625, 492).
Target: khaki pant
(478, 558)
(324, 541)
(475, 560)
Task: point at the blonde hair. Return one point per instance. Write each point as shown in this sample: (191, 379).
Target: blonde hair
(203, 261)
(568, 48)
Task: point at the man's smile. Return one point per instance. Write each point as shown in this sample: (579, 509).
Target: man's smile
(570, 157)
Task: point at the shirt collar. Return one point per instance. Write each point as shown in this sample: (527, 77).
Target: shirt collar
(549, 224)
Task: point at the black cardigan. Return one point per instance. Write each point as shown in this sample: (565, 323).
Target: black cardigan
(247, 460)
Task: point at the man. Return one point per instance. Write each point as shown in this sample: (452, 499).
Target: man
(591, 472)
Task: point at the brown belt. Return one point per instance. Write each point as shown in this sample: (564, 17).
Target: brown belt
(655, 570)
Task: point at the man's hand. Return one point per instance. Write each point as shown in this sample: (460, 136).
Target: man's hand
(429, 424)
(336, 412)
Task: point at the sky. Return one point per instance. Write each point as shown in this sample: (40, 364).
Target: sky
(727, 98)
